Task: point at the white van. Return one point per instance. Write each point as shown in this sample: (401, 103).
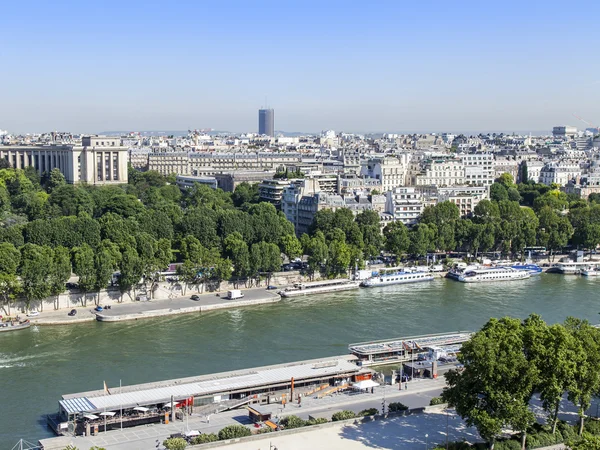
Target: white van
(234, 294)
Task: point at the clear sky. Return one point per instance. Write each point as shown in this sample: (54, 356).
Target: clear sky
(88, 66)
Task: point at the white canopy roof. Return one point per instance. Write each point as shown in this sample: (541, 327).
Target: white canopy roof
(141, 408)
(91, 416)
(365, 384)
(108, 413)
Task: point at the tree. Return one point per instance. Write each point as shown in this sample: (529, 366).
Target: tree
(131, 269)
(84, 268)
(245, 193)
(493, 390)
(498, 192)
(586, 357)
(340, 256)
(10, 287)
(550, 350)
(233, 432)
(55, 179)
(237, 250)
(290, 246)
(317, 251)
(506, 179)
(36, 262)
(421, 239)
(264, 257)
(60, 272)
(397, 239)
(175, 444)
(486, 212)
(106, 260)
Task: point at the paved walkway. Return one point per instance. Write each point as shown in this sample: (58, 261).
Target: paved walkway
(156, 308)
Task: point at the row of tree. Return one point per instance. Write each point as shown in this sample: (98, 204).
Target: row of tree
(509, 361)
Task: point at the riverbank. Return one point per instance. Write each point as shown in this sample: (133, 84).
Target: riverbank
(157, 308)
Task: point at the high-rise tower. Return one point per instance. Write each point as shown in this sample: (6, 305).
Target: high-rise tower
(266, 122)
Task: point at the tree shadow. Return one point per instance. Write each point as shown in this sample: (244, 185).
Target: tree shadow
(409, 431)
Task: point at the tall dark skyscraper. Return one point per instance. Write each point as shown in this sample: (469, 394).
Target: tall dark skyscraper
(266, 122)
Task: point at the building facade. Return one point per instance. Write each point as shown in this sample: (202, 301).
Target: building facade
(266, 122)
(99, 160)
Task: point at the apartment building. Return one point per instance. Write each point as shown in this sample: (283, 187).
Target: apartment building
(479, 168)
(559, 173)
(272, 190)
(389, 170)
(441, 172)
(404, 204)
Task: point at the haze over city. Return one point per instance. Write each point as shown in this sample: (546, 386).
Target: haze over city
(509, 66)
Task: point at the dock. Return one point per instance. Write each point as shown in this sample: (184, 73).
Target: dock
(185, 305)
(404, 349)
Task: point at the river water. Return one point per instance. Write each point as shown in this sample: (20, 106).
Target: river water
(38, 365)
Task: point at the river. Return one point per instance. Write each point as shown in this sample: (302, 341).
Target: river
(38, 365)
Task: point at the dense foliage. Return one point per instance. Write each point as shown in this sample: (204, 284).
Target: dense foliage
(509, 360)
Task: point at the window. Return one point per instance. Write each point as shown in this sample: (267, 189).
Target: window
(115, 166)
(107, 166)
(99, 166)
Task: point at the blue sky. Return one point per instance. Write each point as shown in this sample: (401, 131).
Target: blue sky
(352, 66)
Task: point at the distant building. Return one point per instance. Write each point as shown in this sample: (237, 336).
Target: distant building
(405, 204)
(266, 122)
(99, 160)
(188, 181)
(564, 131)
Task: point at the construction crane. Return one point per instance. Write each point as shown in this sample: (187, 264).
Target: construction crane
(587, 123)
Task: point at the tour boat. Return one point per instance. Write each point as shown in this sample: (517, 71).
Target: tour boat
(486, 274)
(388, 277)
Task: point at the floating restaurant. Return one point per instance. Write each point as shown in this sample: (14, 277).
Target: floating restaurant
(102, 410)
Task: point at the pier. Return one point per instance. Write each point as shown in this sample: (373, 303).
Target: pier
(185, 305)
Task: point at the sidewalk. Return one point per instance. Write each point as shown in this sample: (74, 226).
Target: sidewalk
(156, 308)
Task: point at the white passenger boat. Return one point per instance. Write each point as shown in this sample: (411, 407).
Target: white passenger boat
(319, 287)
(387, 277)
(485, 274)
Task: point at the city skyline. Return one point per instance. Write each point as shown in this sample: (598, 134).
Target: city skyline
(337, 66)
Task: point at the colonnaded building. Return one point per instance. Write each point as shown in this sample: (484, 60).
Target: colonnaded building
(98, 160)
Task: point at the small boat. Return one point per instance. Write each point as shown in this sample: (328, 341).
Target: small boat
(487, 274)
(591, 272)
(388, 277)
(14, 325)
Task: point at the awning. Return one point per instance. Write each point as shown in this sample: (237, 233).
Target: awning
(91, 416)
(192, 433)
(167, 405)
(108, 413)
(365, 384)
(141, 408)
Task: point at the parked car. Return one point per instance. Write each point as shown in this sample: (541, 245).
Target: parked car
(98, 308)
(73, 312)
(195, 297)
(271, 288)
(33, 313)
(71, 285)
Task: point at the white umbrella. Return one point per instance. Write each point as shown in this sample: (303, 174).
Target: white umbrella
(91, 416)
(141, 408)
(365, 384)
(108, 413)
